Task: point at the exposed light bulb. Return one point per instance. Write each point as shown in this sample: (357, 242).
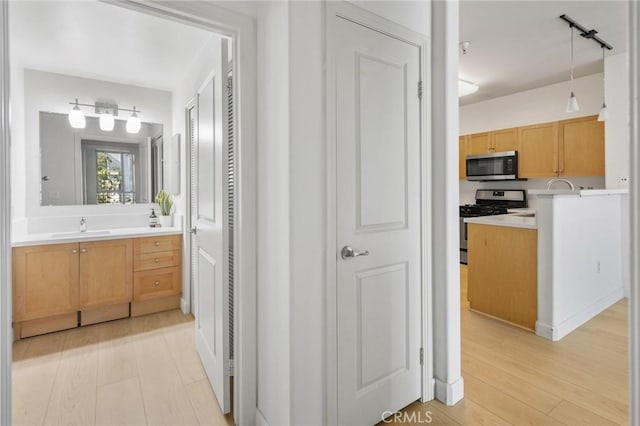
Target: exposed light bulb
(133, 122)
(572, 105)
(107, 122)
(604, 113)
(76, 117)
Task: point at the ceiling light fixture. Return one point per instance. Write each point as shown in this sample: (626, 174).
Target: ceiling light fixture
(76, 117)
(466, 88)
(572, 105)
(604, 113)
(106, 113)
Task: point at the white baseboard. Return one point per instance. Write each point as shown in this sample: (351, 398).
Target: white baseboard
(557, 332)
(184, 306)
(260, 420)
(450, 393)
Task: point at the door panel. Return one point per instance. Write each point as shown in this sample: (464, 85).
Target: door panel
(378, 209)
(582, 147)
(504, 140)
(478, 143)
(538, 151)
(211, 290)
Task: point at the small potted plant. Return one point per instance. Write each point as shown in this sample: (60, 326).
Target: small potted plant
(165, 204)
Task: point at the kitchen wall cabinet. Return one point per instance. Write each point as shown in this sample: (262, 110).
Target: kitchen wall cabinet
(561, 148)
(494, 141)
(61, 286)
(538, 151)
(581, 149)
(462, 157)
(502, 273)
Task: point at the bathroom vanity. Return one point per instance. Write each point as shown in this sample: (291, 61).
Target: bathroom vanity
(71, 280)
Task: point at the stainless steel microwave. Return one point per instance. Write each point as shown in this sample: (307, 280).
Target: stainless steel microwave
(494, 166)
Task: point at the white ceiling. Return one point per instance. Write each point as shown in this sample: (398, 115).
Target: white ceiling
(96, 40)
(520, 45)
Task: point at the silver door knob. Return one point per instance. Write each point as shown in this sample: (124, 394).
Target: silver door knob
(348, 252)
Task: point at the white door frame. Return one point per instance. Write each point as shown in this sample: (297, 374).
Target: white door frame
(341, 10)
(242, 29)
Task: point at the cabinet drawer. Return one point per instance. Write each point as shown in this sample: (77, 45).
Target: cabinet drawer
(162, 259)
(156, 283)
(156, 244)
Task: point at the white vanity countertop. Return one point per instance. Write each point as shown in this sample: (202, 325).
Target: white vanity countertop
(90, 235)
(509, 220)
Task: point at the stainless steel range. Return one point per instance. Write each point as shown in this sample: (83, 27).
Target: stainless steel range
(489, 202)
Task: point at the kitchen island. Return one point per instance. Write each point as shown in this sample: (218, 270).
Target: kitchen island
(573, 264)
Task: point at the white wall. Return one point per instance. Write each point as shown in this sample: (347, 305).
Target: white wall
(616, 70)
(45, 91)
(579, 260)
(532, 106)
(274, 261)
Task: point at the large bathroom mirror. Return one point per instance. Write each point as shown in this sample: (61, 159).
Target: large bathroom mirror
(90, 166)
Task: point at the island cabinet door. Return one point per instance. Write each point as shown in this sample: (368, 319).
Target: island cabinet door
(106, 273)
(45, 281)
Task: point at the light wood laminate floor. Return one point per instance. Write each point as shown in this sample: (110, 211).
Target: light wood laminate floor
(136, 371)
(513, 377)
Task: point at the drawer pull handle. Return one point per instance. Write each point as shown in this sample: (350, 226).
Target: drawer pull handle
(157, 244)
(157, 283)
(156, 260)
(84, 250)
(74, 251)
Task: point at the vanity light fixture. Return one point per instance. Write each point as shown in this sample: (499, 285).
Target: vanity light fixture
(133, 122)
(76, 117)
(106, 113)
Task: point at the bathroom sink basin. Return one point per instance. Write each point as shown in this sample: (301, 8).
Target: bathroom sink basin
(80, 234)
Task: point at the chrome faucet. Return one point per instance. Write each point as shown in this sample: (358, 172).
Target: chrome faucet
(554, 180)
(83, 224)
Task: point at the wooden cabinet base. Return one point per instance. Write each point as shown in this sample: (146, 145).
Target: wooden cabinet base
(155, 305)
(106, 313)
(30, 328)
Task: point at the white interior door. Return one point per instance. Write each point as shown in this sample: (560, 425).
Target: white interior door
(211, 292)
(378, 216)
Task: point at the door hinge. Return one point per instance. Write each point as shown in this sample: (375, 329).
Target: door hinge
(419, 90)
(421, 356)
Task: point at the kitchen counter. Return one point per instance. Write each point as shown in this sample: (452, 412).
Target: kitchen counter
(90, 235)
(516, 220)
(575, 192)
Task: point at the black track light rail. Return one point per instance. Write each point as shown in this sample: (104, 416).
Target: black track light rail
(588, 34)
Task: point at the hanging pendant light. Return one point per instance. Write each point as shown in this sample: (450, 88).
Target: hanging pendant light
(604, 113)
(133, 122)
(572, 104)
(76, 117)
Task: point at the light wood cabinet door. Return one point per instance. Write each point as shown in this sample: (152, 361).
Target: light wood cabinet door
(538, 151)
(106, 273)
(478, 143)
(502, 273)
(45, 281)
(156, 283)
(462, 157)
(581, 147)
(504, 140)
